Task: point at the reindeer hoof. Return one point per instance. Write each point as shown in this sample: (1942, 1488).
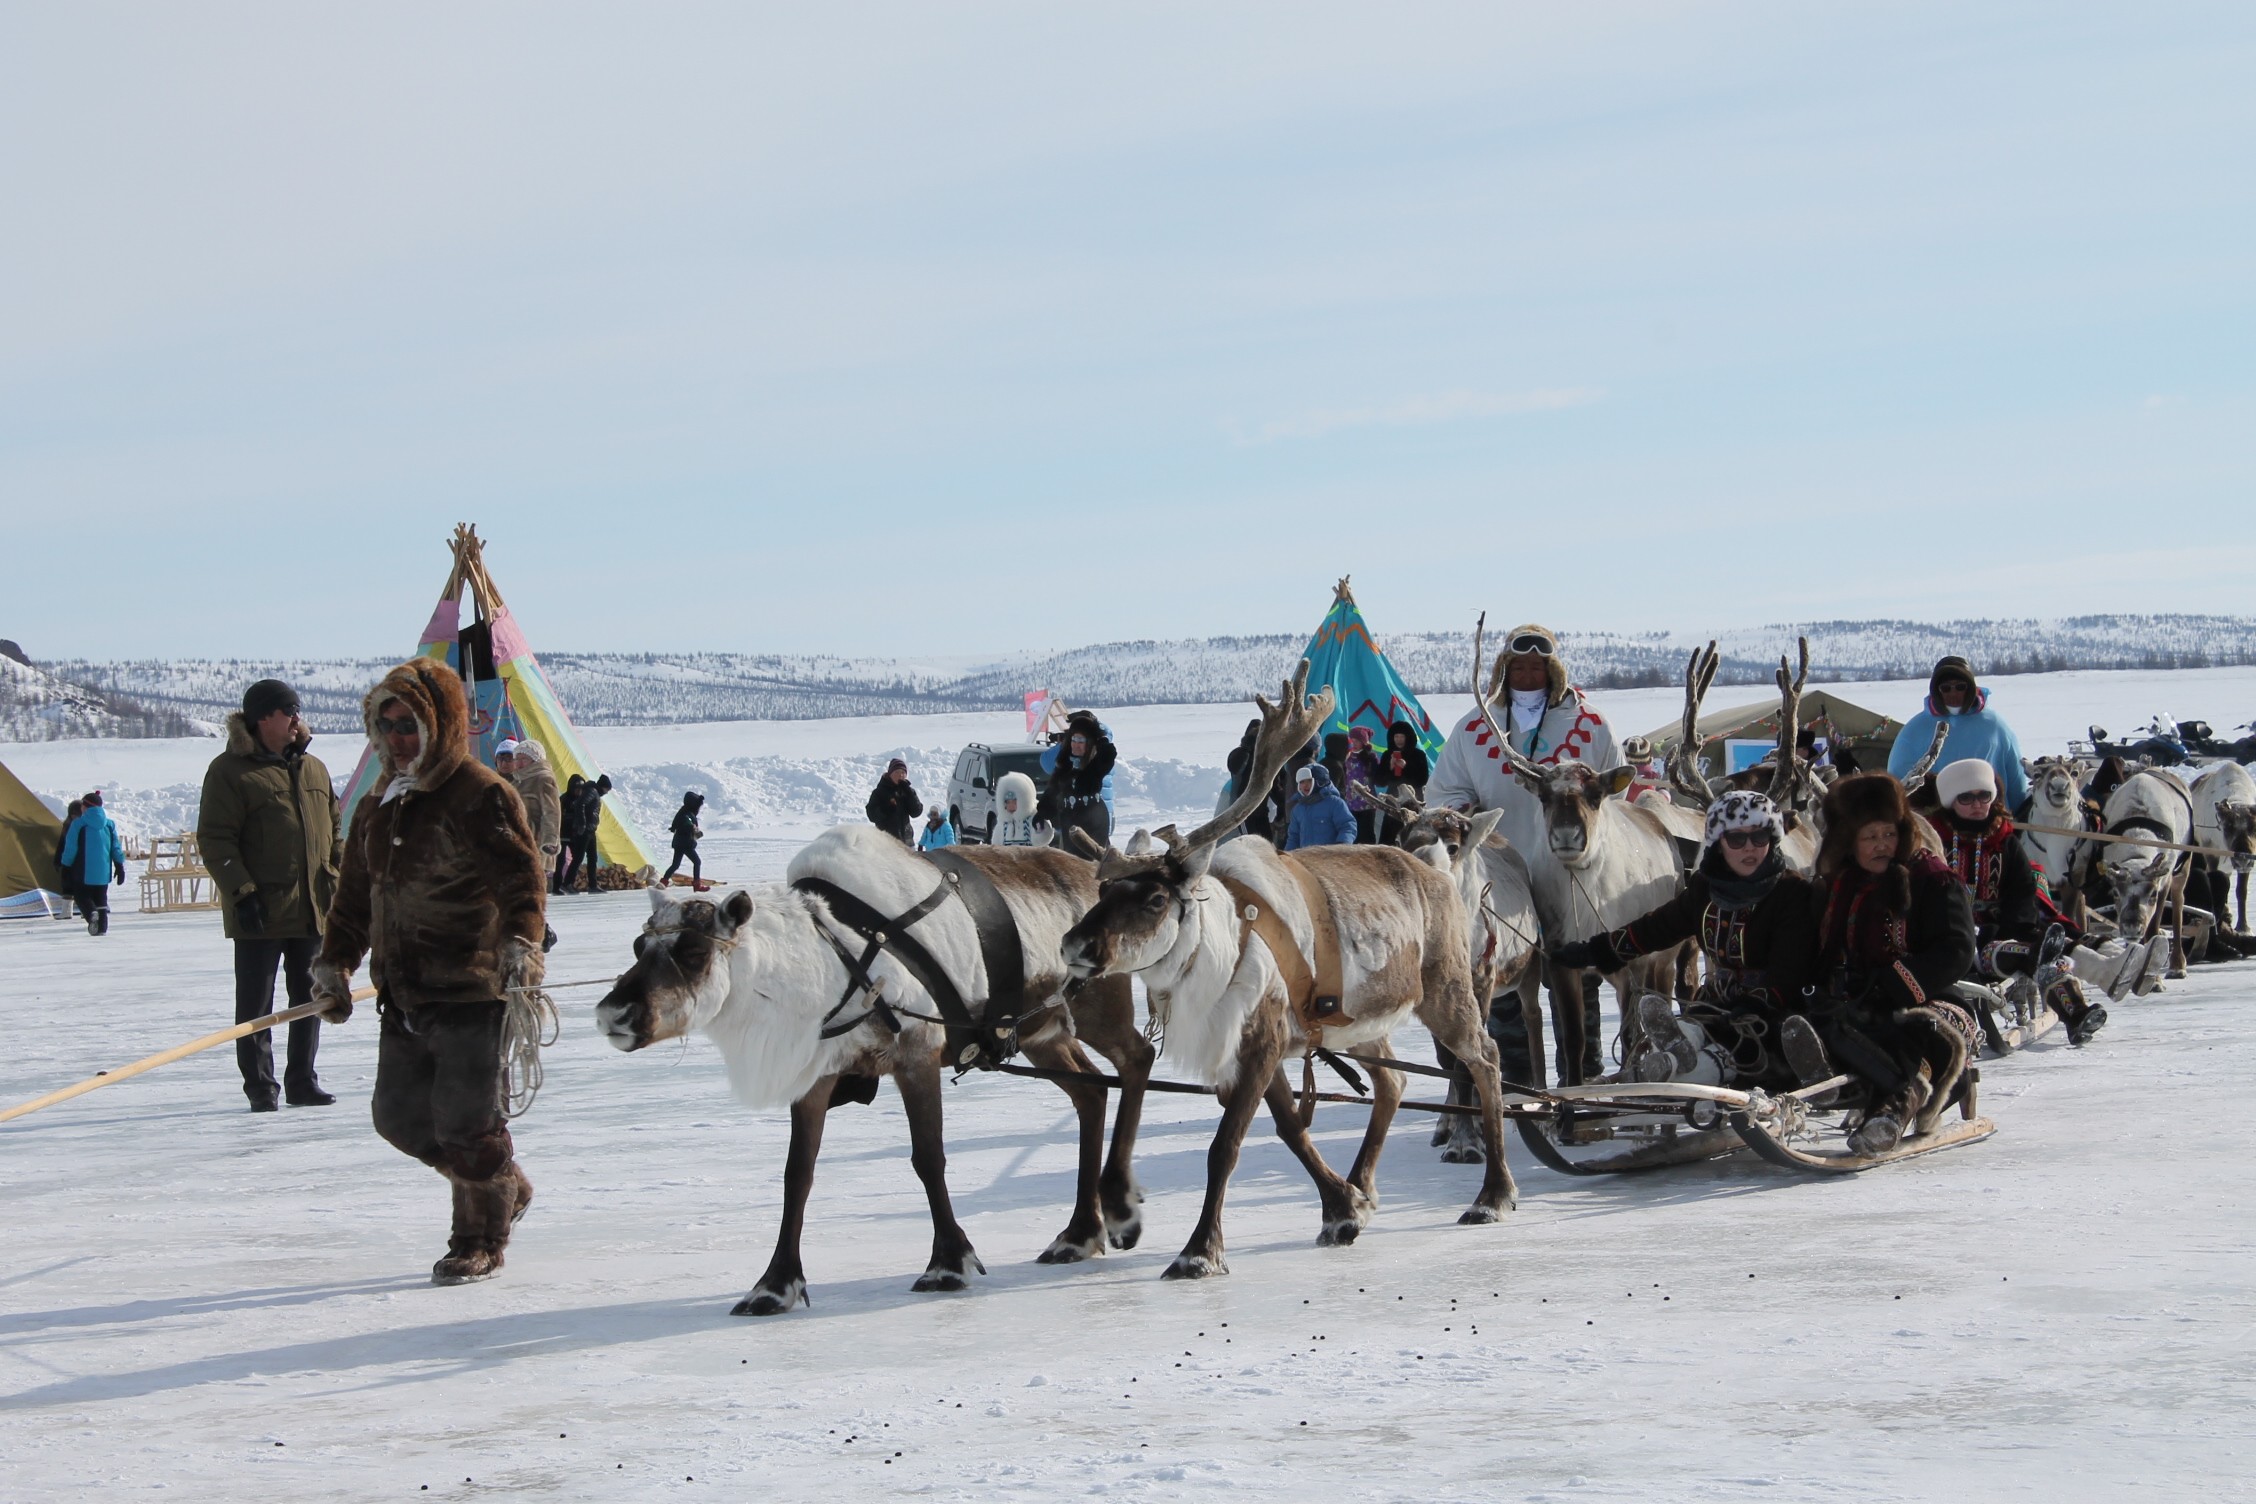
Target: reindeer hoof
(939, 1279)
(765, 1302)
(1195, 1266)
(1478, 1215)
(1064, 1250)
(1125, 1233)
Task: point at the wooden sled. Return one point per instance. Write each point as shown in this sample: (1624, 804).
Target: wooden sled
(1644, 1127)
(1844, 1162)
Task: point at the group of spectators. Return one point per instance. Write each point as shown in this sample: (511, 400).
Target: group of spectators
(1322, 796)
(1076, 794)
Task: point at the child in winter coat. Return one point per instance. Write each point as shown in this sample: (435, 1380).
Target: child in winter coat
(687, 833)
(1014, 810)
(1362, 767)
(938, 832)
(1320, 817)
(93, 858)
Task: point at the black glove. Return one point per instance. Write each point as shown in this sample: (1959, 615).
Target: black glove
(1575, 955)
(250, 914)
(117, 872)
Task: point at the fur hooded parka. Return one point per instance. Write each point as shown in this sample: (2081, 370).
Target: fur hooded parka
(442, 885)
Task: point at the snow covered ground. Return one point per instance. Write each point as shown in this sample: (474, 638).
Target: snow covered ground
(202, 1303)
(196, 1302)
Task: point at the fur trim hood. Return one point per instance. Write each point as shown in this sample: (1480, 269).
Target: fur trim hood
(1554, 665)
(1953, 667)
(1014, 786)
(432, 693)
(244, 742)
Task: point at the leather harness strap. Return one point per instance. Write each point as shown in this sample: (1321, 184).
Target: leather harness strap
(1315, 997)
(972, 1041)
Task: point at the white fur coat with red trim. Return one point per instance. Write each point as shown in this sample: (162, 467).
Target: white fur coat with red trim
(1471, 773)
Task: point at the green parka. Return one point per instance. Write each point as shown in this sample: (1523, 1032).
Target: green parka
(270, 823)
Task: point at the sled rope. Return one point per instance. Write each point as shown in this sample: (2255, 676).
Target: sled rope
(2096, 835)
(177, 1052)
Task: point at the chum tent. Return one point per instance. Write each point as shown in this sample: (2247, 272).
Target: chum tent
(29, 833)
(509, 695)
(1735, 738)
(1366, 689)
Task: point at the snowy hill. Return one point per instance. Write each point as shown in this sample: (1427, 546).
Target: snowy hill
(630, 689)
(37, 706)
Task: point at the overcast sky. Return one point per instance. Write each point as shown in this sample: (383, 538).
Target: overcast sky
(966, 328)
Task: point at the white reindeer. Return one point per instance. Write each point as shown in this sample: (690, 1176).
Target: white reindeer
(2224, 821)
(765, 973)
(2154, 805)
(2056, 801)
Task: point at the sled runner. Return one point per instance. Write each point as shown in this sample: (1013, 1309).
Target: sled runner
(1645, 1127)
(2008, 1023)
(1679, 1123)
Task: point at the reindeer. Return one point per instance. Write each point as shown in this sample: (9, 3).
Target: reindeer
(2153, 805)
(1793, 786)
(2056, 800)
(2224, 821)
(1383, 933)
(770, 975)
(1499, 899)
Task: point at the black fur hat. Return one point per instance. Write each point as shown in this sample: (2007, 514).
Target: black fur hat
(1858, 801)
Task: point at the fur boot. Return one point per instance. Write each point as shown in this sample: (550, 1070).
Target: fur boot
(482, 1213)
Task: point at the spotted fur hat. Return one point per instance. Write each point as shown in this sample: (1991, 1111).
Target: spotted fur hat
(1743, 810)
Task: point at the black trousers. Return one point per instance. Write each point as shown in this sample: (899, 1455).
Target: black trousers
(696, 864)
(255, 964)
(439, 1087)
(92, 898)
(576, 857)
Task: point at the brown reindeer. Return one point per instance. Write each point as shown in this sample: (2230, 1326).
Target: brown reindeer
(1249, 956)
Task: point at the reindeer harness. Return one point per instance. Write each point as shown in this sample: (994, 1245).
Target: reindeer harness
(1315, 996)
(979, 1042)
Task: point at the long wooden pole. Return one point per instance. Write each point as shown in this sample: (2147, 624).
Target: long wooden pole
(177, 1052)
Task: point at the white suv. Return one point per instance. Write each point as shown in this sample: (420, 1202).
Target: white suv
(971, 788)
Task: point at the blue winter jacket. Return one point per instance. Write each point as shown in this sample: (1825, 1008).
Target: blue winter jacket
(937, 836)
(1320, 817)
(1978, 732)
(92, 851)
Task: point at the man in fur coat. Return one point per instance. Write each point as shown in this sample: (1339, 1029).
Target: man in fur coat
(525, 764)
(267, 828)
(442, 889)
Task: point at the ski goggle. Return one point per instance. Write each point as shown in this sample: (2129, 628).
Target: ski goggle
(1538, 643)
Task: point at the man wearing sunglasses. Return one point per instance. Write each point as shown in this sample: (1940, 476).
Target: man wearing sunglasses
(267, 829)
(1955, 700)
(1550, 722)
(443, 890)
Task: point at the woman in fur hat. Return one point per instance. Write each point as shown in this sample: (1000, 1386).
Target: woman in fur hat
(1895, 933)
(1751, 919)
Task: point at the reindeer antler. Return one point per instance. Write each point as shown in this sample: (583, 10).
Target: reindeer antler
(1285, 729)
(1404, 810)
(1790, 765)
(1684, 758)
(1512, 758)
(1916, 778)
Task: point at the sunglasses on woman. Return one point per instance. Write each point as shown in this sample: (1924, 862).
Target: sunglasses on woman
(1978, 797)
(395, 725)
(1740, 840)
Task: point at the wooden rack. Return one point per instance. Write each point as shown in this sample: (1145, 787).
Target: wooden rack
(175, 878)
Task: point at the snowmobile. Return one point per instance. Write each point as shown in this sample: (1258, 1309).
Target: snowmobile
(2160, 746)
